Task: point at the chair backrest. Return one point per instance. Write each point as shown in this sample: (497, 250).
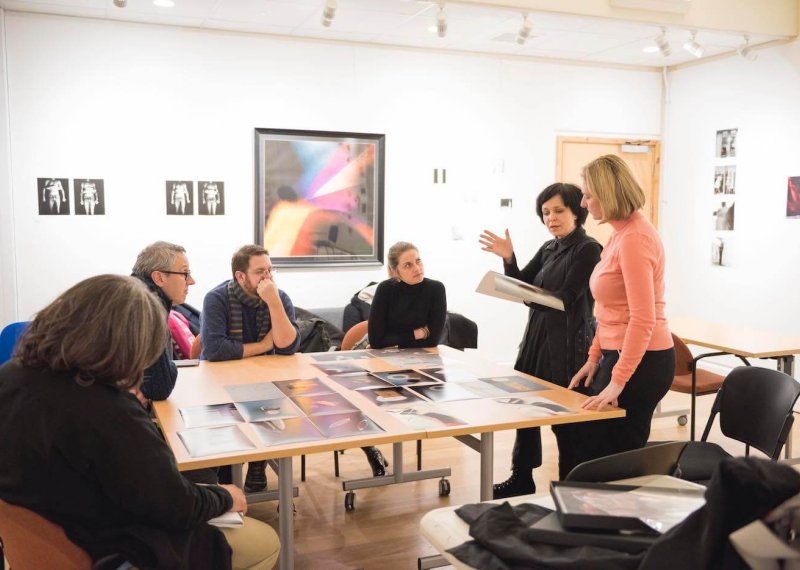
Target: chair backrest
(459, 332)
(683, 357)
(9, 337)
(755, 406)
(32, 541)
(197, 347)
(355, 334)
(657, 459)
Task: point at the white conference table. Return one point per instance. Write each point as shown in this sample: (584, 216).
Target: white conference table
(444, 529)
(205, 384)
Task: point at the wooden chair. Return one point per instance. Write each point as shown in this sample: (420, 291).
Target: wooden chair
(689, 379)
(197, 347)
(31, 541)
(355, 334)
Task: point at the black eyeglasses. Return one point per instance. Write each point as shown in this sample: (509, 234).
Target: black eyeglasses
(186, 274)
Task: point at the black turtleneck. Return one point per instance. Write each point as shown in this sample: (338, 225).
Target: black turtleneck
(399, 308)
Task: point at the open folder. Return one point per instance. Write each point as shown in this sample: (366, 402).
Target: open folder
(505, 287)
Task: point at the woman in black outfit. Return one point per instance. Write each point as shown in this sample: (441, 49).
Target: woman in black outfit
(408, 311)
(80, 450)
(555, 342)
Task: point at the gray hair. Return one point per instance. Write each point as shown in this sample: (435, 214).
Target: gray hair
(156, 256)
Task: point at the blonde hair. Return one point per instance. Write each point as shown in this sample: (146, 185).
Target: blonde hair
(394, 253)
(107, 329)
(611, 182)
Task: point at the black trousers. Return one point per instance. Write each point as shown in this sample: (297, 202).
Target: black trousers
(645, 389)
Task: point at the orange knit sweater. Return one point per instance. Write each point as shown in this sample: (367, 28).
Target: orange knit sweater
(628, 287)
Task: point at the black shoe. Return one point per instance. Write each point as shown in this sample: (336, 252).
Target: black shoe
(520, 483)
(256, 479)
(376, 460)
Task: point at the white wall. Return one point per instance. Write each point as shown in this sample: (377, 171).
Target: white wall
(760, 99)
(137, 105)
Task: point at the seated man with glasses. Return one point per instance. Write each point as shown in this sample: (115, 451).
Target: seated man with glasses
(249, 316)
(164, 268)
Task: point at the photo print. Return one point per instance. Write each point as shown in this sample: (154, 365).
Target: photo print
(179, 197)
(89, 196)
(53, 196)
(793, 198)
(390, 396)
(718, 254)
(726, 143)
(725, 180)
(211, 198)
(724, 216)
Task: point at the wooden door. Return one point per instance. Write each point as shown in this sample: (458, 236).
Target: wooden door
(643, 158)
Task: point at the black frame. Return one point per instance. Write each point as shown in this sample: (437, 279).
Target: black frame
(350, 234)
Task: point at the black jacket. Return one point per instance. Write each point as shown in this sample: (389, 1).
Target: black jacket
(160, 377)
(562, 267)
(90, 459)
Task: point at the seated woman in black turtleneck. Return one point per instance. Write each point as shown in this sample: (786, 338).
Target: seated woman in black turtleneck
(409, 309)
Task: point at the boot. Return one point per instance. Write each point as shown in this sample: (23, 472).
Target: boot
(376, 460)
(256, 479)
(520, 483)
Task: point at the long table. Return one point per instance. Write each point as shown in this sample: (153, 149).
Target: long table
(205, 384)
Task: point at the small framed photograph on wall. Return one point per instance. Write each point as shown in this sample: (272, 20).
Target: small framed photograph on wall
(52, 194)
(793, 197)
(726, 143)
(179, 197)
(319, 197)
(89, 196)
(210, 198)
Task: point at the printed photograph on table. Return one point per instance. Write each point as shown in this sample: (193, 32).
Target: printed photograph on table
(793, 197)
(724, 180)
(211, 415)
(359, 381)
(345, 425)
(89, 196)
(263, 410)
(302, 387)
(514, 384)
(211, 198)
(405, 377)
(341, 356)
(450, 374)
(179, 197)
(445, 392)
(423, 415)
(390, 396)
(534, 407)
(52, 195)
(726, 143)
(324, 404)
(319, 197)
(253, 392)
(213, 440)
(724, 216)
(290, 430)
(331, 369)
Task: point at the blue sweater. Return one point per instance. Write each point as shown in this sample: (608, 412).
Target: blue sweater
(215, 320)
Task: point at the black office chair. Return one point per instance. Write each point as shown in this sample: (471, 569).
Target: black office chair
(755, 406)
(656, 459)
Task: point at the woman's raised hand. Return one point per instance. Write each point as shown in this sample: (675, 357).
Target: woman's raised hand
(493, 243)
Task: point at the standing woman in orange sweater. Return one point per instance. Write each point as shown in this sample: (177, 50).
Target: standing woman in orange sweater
(632, 360)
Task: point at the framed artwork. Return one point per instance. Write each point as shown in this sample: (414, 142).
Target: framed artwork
(319, 197)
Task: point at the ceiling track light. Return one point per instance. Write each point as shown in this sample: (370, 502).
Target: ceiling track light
(329, 12)
(693, 47)
(746, 50)
(441, 21)
(662, 43)
(525, 31)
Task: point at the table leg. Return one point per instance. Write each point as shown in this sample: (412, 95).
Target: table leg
(487, 465)
(286, 514)
(786, 365)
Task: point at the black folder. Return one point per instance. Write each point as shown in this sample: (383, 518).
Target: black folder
(550, 531)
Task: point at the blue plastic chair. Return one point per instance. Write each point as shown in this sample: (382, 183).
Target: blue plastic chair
(8, 339)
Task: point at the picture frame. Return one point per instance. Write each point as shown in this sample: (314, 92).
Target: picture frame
(319, 197)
